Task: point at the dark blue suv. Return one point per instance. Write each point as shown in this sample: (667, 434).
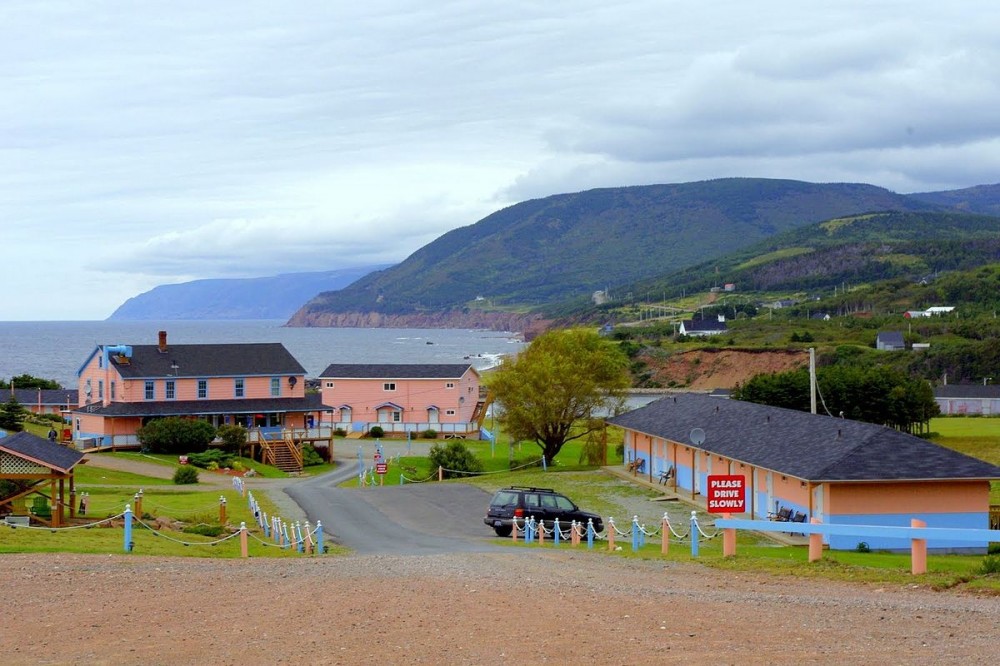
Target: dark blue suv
(542, 504)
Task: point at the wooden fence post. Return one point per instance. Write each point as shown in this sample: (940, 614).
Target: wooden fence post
(815, 543)
(918, 551)
(728, 539)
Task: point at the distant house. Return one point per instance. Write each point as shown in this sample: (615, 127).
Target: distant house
(46, 401)
(961, 399)
(820, 316)
(939, 310)
(729, 286)
(915, 314)
(782, 303)
(404, 398)
(833, 469)
(703, 327)
(890, 341)
(123, 387)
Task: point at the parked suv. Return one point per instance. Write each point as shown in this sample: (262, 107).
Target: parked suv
(544, 504)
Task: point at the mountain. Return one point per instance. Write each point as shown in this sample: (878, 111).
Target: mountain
(551, 249)
(276, 297)
(983, 199)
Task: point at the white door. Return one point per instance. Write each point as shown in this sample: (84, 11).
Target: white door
(432, 416)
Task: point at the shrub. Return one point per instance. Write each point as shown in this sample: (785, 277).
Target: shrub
(185, 475)
(992, 549)
(340, 432)
(376, 431)
(310, 457)
(237, 466)
(205, 530)
(233, 438)
(991, 565)
(862, 547)
(455, 458)
(176, 435)
(430, 433)
(207, 459)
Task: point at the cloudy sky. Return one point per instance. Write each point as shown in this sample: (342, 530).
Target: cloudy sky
(152, 143)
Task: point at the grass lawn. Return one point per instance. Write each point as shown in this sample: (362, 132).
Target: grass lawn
(977, 437)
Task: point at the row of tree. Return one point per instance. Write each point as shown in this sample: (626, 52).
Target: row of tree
(874, 395)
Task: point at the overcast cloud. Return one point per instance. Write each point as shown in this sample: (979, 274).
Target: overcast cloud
(152, 143)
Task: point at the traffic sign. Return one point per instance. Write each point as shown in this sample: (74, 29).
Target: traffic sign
(381, 468)
(727, 493)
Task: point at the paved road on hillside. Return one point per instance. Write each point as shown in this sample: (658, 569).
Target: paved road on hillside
(412, 519)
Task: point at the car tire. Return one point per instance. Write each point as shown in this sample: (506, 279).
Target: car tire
(503, 531)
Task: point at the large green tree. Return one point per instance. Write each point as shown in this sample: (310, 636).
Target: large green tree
(30, 382)
(176, 435)
(12, 415)
(549, 393)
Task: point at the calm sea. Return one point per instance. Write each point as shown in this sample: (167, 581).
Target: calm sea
(57, 349)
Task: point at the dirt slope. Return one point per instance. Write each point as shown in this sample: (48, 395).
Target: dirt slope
(725, 368)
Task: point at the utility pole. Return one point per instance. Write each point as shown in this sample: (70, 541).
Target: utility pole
(812, 380)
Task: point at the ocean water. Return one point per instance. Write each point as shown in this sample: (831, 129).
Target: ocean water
(57, 349)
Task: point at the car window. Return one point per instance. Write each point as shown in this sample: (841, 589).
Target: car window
(563, 503)
(505, 498)
(549, 501)
(531, 499)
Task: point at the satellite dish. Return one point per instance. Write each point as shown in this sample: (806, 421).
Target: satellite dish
(697, 436)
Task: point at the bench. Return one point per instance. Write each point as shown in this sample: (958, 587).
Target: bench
(17, 521)
(637, 465)
(783, 515)
(454, 436)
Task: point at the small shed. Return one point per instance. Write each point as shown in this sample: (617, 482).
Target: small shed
(890, 341)
(41, 469)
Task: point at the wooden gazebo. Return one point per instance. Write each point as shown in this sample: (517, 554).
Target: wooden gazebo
(33, 460)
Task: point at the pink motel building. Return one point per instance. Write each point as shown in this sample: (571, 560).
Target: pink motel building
(123, 387)
(837, 470)
(404, 398)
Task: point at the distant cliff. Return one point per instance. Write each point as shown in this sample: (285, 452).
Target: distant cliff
(528, 324)
(275, 297)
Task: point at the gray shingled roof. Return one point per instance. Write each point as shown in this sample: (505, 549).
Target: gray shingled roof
(50, 454)
(395, 371)
(310, 403)
(209, 360)
(49, 396)
(806, 446)
(968, 391)
(704, 325)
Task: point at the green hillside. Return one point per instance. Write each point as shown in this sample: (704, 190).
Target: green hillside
(846, 250)
(570, 245)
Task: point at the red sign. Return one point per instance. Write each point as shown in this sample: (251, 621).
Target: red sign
(380, 468)
(726, 493)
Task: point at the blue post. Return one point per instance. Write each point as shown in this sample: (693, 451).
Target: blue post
(531, 530)
(694, 534)
(635, 533)
(590, 533)
(128, 528)
(555, 527)
(545, 466)
(267, 527)
(284, 529)
(409, 443)
(299, 541)
(319, 538)
(642, 536)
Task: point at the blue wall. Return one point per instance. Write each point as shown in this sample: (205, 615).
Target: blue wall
(952, 520)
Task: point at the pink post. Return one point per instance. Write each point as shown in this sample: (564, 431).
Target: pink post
(513, 531)
(541, 533)
(665, 537)
(574, 533)
(815, 543)
(243, 540)
(728, 538)
(440, 473)
(918, 551)
(611, 536)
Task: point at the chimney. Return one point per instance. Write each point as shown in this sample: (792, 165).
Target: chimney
(163, 342)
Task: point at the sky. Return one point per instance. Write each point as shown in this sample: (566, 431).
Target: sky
(155, 143)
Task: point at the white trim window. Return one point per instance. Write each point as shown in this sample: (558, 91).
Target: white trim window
(239, 388)
(275, 387)
(389, 386)
(202, 388)
(150, 389)
(449, 385)
(169, 389)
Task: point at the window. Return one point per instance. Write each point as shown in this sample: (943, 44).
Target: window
(169, 388)
(329, 385)
(397, 416)
(239, 388)
(150, 390)
(202, 388)
(275, 387)
(449, 412)
(389, 386)
(100, 389)
(449, 385)
(112, 391)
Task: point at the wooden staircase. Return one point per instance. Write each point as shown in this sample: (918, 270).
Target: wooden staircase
(285, 454)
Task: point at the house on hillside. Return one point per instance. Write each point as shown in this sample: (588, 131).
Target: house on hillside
(46, 401)
(405, 398)
(890, 341)
(703, 327)
(962, 399)
(123, 387)
(833, 469)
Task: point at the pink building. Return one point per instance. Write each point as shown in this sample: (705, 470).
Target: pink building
(122, 387)
(404, 398)
(814, 466)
